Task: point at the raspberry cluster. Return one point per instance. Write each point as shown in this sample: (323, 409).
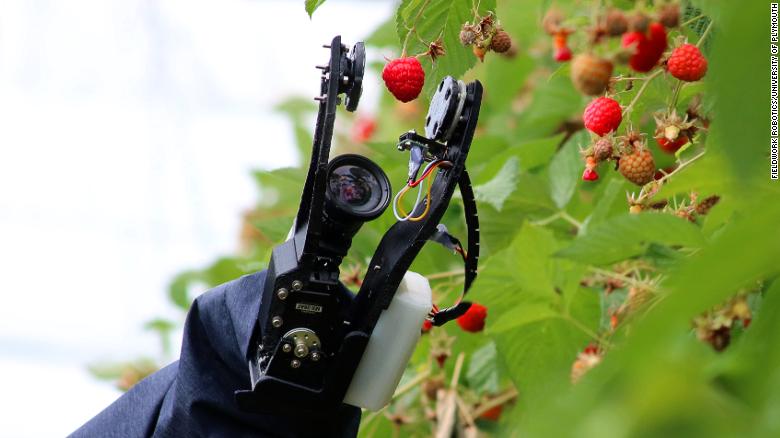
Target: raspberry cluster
(642, 40)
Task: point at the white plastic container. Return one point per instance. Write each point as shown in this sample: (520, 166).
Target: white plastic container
(391, 345)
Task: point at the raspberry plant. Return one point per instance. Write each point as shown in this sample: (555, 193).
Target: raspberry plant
(637, 301)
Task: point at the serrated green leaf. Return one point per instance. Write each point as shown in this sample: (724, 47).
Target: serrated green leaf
(496, 191)
(432, 19)
(565, 171)
(629, 235)
(312, 5)
(482, 374)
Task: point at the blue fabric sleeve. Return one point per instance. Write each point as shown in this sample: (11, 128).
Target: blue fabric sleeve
(193, 397)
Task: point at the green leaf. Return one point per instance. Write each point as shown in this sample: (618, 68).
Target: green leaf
(496, 191)
(605, 205)
(538, 347)
(432, 19)
(178, 291)
(629, 235)
(312, 5)
(482, 374)
(565, 170)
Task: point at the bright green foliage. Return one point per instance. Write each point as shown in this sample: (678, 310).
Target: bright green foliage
(547, 237)
(312, 5)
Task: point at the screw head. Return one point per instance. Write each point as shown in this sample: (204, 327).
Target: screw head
(315, 356)
(297, 285)
(276, 321)
(295, 363)
(282, 293)
(286, 348)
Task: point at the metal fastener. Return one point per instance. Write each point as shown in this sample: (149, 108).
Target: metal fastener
(295, 363)
(315, 356)
(282, 293)
(301, 350)
(276, 321)
(286, 348)
(297, 285)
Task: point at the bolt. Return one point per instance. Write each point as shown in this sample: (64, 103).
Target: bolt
(297, 285)
(315, 356)
(282, 293)
(301, 350)
(286, 348)
(276, 321)
(295, 363)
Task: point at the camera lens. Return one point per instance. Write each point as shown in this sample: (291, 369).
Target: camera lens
(357, 187)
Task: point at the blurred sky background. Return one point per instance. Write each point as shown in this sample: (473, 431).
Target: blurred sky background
(129, 130)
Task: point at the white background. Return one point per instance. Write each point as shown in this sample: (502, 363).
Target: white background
(128, 130)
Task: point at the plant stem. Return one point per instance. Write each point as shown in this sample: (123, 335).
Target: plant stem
(647, 81)
(445, 274)
(704, 35)
(414, 27)
(568, 218)
(692, 20)
(675, 96)
(507, 396)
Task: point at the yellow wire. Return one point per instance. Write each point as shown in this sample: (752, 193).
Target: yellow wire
(427, 199)
(427, 205)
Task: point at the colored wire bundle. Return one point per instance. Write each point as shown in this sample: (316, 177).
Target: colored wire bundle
(398, 210)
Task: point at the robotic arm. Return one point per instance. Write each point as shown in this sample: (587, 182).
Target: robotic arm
(312, 332)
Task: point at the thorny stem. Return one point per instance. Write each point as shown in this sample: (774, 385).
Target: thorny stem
(464, 411)
(413, 29)
(639, 93)
(507, 396)
(644, 194)
(621, 277)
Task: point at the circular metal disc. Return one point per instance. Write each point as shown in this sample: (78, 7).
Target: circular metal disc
(441, 113)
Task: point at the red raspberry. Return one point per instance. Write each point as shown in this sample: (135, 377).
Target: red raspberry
(602, 116)
(671, 146)
(648, 47)
(474, 319)
(562, 51)
(687, 63)
(492, 414)
(589, 175)
(404, 77)
(363, 129)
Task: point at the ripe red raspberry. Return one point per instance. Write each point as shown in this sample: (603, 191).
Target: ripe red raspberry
(562, 51)
(590, 74)
(671, 146)
(602, 116)
(589, 175)
(637, 167)
(474, 319)
(404, 77)
(492, 414)
(687, 63)
(648, 47)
